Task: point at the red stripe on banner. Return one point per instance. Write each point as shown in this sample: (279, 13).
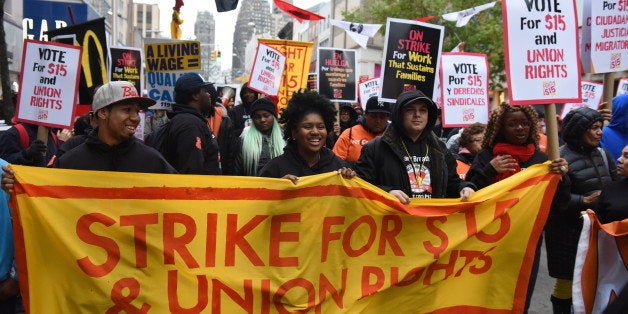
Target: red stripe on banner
(535, 180)
(521, 290)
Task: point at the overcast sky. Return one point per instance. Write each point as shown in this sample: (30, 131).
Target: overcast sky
(225, 22)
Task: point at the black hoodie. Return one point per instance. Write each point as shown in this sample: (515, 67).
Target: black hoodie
(382, 160)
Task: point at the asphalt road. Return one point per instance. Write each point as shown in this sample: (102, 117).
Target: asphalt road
(540, 303)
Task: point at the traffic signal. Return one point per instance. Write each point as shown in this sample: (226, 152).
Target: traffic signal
(218, 54)
(213, 56)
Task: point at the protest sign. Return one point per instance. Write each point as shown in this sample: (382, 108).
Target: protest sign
(591, 97)
(175, 243)
(411, 57)
(622, 86)
(91, 36)
(585, 37)
(600, 271)
(541, 44)
(49, 84)
(336, 74)
(311, 81)
(607, 23)
(268, 69)
(166, 61)
(369, 89)
(298, 55)
(464, 80)
(126, 65)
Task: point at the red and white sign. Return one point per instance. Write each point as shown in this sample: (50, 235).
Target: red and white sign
(49, 83)
(267, 70)
(608, 35)
(622, 87)
(541, 44)
(591, 97)
(369, 89)
(464, 88)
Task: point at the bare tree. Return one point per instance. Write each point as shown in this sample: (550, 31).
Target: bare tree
(6, 107)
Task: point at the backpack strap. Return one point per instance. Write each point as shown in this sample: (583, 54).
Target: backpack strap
(22, 136)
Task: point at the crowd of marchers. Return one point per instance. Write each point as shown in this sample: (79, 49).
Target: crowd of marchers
(399, 147)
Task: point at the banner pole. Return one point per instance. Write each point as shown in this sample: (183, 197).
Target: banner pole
(607, 92)
(552, 131)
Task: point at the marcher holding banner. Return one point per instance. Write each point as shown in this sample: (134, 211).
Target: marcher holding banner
(308, 119)
(111, 146)
(590, 168)
(408, 161)
(511, 144)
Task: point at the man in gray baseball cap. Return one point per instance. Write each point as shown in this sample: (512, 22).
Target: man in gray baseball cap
(112, 146)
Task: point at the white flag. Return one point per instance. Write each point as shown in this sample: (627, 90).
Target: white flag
(358, 31)
(462, 17)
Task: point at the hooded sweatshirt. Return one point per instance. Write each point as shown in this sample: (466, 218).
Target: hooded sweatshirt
(615, 135)
(422, 169)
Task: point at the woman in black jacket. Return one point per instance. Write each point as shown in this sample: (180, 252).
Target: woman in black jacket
(309, 119)
(511, 144)
(590, 168)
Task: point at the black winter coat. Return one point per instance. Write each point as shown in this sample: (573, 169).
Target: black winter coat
(589, 169)
(239, 115)
(290, 162)
(128, 156)
(381, 164)
(190, 146)
(587, 173)
(613, 202)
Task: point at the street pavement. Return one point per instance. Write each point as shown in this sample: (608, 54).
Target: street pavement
(540, 303)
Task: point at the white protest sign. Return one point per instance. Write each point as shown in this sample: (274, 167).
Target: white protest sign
(267, 70)
(609, 36)
(541, 44)
(622, 87)
(591, 97)
(585, 37)
(369, 89)
(464, 87)
(49, 83)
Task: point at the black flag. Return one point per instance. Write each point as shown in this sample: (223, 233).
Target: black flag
(226, 5)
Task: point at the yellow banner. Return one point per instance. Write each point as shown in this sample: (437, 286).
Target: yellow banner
(298, 57)
(105, 242)
(172, 56)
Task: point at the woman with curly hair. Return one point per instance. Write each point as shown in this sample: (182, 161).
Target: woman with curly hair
(308, 120)
(261, 141)
(511, 144)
